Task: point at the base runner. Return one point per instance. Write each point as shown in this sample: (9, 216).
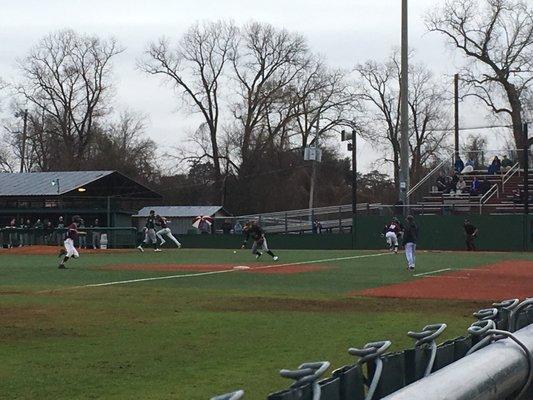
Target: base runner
(149, 233)
(392, 231)
(165, 230)
(71, 236)
(253, 230)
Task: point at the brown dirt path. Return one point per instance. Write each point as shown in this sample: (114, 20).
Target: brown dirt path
(259, 269)
(503, 280)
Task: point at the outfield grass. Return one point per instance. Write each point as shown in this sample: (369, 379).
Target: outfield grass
(191, 338)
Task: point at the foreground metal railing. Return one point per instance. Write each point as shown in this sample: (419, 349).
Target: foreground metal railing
(492, 362)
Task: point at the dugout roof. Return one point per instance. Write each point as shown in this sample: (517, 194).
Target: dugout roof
(51, 184)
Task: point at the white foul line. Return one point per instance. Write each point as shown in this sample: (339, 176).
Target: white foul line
(433, 272)
(158, 278)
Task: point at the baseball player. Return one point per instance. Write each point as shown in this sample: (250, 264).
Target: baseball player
(410, 238)
(149, 233)
(391, 231)
(252, 229)
(71, 236)
(165, 230)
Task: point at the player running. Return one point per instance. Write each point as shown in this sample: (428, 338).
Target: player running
(391, 231)
(165, 230)
(149, 233)
(71, 236)
(252, 229)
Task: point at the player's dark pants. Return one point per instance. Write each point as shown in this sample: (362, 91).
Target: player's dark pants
(470, 245)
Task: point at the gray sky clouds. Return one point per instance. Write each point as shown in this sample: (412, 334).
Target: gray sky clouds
(344, 31)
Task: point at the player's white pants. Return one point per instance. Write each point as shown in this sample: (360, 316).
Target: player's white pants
(71, 250)
(168, 233)
(264, 246)
(392, 239)
(149, 236)
(410, 249)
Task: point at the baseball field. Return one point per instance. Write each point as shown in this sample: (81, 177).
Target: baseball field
(190, 324)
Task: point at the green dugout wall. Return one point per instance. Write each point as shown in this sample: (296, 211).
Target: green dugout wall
(496, 233)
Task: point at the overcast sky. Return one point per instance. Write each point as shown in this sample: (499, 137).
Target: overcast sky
(344, 31)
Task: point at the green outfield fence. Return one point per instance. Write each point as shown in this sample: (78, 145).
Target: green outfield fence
(437, 232)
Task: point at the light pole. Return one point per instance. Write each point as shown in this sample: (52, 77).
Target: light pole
(352, 146)
(404, 110)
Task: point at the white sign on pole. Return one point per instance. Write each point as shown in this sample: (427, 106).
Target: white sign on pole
(312, 154)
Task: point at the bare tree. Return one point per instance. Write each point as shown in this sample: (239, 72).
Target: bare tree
(497, 36)
(67, 78)
(123, 146)
(380, 90)
(326, 102)
(266, 62)
(195, 67)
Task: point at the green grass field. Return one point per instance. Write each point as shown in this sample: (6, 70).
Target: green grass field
(194, 337)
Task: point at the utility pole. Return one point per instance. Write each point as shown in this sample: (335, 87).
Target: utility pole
(456, 113)
(527, 234)
(24, 136)
(404, 110)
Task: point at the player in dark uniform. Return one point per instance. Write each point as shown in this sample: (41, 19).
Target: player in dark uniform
(470, 235)
(149, 233)
(253, 230)
(71, 237)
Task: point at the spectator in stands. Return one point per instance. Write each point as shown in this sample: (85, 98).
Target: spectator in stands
(459, 165)
(441, 183)
(28, 237)
(454, 181)
(506, 164)
(317, 226)
(495, 167)
(461, 186)
(48, 232)
(469, 167)
(59, 231)
(96, 234)
(475, 187)
(470, 234)
(38, 231)
(82, 238)
(485, 186)
(12, 236)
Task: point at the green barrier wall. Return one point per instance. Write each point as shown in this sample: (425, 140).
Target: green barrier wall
(496, 233)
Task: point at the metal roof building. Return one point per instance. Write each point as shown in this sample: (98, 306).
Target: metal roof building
(108, 195)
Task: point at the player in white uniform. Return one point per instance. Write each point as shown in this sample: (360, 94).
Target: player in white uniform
(165, 230)
(391, 232)
(71, 236)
